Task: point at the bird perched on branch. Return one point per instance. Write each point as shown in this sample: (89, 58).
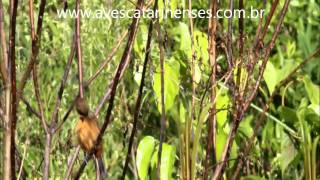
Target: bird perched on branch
(87, 131)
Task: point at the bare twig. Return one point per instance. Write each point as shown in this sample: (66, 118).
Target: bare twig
(229, 37)
(21, 169)
(12, 65)
(34, 51)
(270, 15)
(123, 64)
(267, 54)
(190, 163)
(193, 61)
(262, 116)
(35, 73)
(79, 53)
(64, 80)
(108, 59)
(38, 98)
(211, 138)
(4, 62)
(31, 17)
(163, 110)
(7, 175)
(90, 80)
(63, 83)
(93, 77)
(140, 94)
(47, 150)
(239, 115)
(30, 108)
(260, 35)
(70, 165)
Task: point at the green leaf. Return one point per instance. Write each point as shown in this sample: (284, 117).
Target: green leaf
(221, 140)
(222, 103)
(144, 154)
(140, 41)
(171, 84)
(197, 74)
(245, 126)
(252, 177)
(288, 152)
(201, 46)
(288, 114)
(270, 76)
(312, 90)
(182, 37)
(167, 162)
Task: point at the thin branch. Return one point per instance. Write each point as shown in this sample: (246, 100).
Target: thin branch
(91, 79)
(270, 15)
(258, 43)
(267, 54)
(211, 138)
(34, 52)
(38, 98)
(12, 64)
(4, 62)
(239, 62)
(70, 165)
(262, 115)
(229, 37)
(241, 33)
(139, 98)
(29, 107)
(163, 110)
(47, 150)
(31, 17)
(239, 115)
(1, 113)
(63, 83)
(35, 73)
(194, 57)
(108, 59)
(7, 175)
(190, 163)
(22, 172)
(122, 66)
(79, 53)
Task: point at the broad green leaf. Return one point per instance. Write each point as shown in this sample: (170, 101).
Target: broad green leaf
(197, 73)
(140, 41)
(288, 152)
(182, 37)
(138, 75)
(167, 162)
(222, 104)
(315, 108)
(171, 84)
(245, 126)
(312, 90)
(221, 140)
(174, 4)
(288, 114)
(201, 46)
(270, 76)
(144, 154)
(182, 113)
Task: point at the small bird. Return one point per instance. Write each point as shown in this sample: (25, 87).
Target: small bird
(87, 131)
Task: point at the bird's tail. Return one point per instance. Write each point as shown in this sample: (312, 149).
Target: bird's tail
(101, 170)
